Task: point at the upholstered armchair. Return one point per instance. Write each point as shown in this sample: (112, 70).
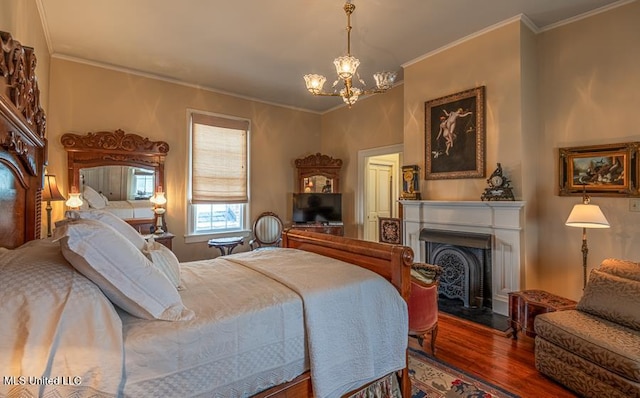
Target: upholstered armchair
(423, 302)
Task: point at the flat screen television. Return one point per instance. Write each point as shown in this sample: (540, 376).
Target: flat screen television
(317, 208)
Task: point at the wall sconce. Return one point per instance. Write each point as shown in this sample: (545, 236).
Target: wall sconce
(586, 215)
(74, 202)
(159, 200)
(50, 193)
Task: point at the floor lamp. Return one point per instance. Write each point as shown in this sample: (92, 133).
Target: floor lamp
(586, 215)
(50, 193)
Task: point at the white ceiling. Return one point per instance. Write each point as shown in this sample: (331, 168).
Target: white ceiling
(260, 49)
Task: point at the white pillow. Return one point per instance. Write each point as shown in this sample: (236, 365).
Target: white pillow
(55, 322)
(164, 260)
(92, 197)
(113, 221)
(121, 271)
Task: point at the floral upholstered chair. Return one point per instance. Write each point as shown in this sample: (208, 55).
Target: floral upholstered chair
(423, 302)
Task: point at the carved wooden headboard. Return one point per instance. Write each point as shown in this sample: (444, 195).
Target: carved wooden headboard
(23, 147)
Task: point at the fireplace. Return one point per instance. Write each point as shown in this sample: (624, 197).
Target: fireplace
(465, 258)
(501, 223)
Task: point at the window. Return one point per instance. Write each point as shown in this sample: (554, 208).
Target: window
(219, 174)
(143, 184)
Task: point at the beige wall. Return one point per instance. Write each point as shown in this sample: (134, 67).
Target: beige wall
(491, 60)
(570, 86)
(86, 98)
(372, 122)
(588, 93)
(573, 85)
(22, 20)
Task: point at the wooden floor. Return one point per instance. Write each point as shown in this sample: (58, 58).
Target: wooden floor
(490, 355)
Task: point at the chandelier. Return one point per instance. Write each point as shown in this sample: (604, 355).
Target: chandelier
(346, 67)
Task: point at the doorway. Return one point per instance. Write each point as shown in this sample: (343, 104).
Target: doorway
(379, 186)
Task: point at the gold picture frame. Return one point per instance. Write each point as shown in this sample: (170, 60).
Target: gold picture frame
(599, 170)
(455, 136)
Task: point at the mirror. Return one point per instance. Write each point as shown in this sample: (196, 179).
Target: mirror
(126, 168)
(120, 182)
(318, 183)
(318, 174)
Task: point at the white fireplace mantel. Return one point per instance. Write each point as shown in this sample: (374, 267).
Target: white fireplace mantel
(504, 220)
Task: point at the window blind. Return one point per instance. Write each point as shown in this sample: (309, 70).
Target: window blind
(219, 159)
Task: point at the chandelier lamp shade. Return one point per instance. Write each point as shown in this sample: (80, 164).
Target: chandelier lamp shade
(586, 215)
(50, 193)
(347, 70)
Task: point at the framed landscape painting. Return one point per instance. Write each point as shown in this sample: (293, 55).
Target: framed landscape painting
(455, 136)
(600, 170)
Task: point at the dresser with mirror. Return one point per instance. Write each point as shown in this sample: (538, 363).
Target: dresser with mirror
(317, 204)
(121, 173)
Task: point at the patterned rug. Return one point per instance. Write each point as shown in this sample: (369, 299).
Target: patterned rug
(433, 379)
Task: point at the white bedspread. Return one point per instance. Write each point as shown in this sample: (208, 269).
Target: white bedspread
(247, 336)
(262, 318)
(59, 335)
(356, 321)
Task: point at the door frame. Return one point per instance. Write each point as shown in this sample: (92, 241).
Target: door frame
(363, 156)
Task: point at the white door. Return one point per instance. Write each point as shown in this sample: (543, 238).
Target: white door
(378, 195)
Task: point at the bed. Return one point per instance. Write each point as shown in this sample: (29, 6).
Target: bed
(125, 209)
(49, 348)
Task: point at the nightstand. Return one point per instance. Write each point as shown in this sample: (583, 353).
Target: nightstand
(163, 239)
(524, 306)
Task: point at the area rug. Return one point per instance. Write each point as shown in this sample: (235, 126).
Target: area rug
(433, 379)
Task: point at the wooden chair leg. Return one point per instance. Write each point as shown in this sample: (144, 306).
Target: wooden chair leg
(434, 333)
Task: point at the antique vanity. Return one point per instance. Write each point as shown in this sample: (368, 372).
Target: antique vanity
(318, 176)
(126, 170)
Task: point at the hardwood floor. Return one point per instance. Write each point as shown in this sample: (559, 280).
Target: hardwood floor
(490, 355)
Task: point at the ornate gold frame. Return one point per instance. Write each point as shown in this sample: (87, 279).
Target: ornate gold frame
(600, 170)
(459, 153)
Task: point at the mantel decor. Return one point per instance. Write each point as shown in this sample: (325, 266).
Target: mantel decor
(410, 183)
(499, 186)
(455, 136)
(599, 170)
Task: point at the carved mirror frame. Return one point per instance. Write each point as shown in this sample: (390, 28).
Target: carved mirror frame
(115, 148)
(319, 164)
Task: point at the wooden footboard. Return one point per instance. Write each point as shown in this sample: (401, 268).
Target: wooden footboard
(393, 262)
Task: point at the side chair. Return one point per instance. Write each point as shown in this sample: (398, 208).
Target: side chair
(423, 302)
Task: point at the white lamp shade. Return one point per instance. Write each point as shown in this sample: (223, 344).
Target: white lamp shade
(159, 199)
(587, 216)
(74, 200)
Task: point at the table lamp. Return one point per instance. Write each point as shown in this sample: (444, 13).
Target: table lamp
(50, 193)
(586, 215)
(74, 202)
(159, 200)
